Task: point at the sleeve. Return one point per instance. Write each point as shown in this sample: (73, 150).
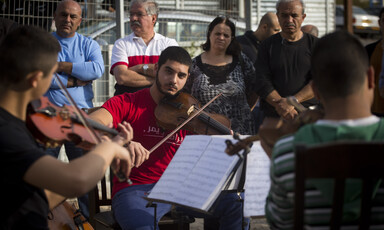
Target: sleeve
(279, 203)
(263, 81)
(55, 83)
(93, 67)
(172, 42)
(119, 107)
(119, 54)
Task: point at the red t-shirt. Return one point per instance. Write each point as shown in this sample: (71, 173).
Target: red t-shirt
(138, 109)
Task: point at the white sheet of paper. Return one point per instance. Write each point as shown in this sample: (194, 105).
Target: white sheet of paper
(257, 181)
(196, 173)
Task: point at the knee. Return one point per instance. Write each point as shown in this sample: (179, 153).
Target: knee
(136, 219)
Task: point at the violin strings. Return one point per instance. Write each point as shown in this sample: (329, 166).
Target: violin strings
(215, 124)
(79, 114)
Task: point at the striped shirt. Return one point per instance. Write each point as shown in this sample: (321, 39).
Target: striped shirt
(132, 50)
(318, 195)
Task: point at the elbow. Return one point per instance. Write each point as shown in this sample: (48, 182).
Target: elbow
(119, 81)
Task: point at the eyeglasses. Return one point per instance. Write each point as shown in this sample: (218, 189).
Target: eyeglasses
(139, 15)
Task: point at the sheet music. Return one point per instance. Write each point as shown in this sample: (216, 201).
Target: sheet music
(197, 172)
(257, 181)
(178, 170)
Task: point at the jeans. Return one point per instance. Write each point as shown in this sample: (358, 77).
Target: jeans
(131, 212)
(73, 152)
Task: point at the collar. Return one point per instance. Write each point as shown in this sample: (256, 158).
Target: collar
(350, 122)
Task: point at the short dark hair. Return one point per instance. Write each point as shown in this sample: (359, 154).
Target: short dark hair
(25, 50)
(175, 53)
(339, 65)
(234, 47)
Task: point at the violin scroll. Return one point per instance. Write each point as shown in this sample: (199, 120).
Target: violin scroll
(245, 143)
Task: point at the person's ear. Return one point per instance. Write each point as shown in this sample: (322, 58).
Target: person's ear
(156, 67)
(265, 26)
(34, 78)
(371, 77)
(154, 19)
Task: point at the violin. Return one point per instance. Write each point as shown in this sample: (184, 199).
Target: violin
(172, 111)
(52, 125)
(66, 216)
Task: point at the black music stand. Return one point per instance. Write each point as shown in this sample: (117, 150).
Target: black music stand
(243, 160)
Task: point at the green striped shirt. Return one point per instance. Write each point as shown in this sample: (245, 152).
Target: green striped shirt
(318, 195)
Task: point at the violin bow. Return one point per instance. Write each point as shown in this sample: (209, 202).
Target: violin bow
(184, 123)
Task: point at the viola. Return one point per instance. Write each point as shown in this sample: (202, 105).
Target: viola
(268, 137)
(52, 125)
(65, 216)
(172, 111)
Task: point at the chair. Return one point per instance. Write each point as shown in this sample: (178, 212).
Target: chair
(105, 220)
(338, 161)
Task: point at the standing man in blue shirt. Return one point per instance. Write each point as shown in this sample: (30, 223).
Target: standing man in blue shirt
(80, 59)
(79, 63)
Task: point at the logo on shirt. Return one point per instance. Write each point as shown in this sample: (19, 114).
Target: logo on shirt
(157, 132)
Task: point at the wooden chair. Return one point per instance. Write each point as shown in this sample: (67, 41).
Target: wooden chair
(338, 161)
(105, 220)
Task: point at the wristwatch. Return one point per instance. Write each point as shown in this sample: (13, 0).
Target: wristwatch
(145, 68)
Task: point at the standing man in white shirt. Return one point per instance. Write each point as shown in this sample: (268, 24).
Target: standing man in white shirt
(134, 56)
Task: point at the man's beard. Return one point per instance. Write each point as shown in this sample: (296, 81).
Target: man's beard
(158, 85)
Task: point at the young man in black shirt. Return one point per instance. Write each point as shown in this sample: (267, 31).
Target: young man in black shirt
(32, 181)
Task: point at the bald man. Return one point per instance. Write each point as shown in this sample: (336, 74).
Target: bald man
(310, 29)
(251, 40)
(79, 63)
(250, 43)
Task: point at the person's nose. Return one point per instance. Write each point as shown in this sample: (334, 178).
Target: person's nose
(173, 78)
(68, 18)
(290, 18)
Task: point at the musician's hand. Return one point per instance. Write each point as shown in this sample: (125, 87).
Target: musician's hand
(122, 164)
(138, 153)
(125, 134)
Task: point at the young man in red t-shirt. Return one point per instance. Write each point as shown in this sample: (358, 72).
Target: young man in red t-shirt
(172, 71)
